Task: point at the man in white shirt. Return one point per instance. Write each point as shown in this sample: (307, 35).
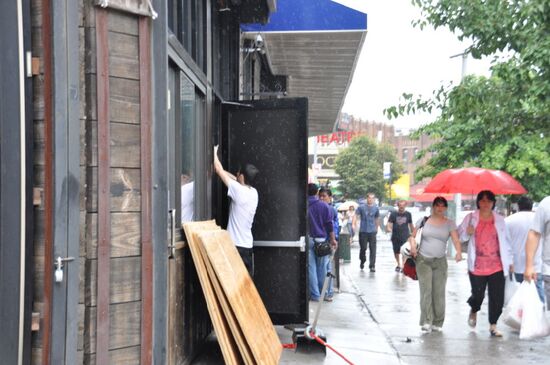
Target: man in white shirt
(244, 201)
(518, 228)
(187, 198)
(539, 233)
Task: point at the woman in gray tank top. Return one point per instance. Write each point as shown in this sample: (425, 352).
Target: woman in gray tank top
(431, 263)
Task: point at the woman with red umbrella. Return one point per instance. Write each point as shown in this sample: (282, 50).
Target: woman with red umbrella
(489, 258)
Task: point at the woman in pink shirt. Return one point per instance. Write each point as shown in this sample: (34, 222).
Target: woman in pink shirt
(489, 258)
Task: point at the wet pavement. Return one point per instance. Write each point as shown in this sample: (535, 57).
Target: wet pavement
(374, 320)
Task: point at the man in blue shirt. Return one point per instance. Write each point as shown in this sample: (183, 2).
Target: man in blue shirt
(320, 227)
(368, 215)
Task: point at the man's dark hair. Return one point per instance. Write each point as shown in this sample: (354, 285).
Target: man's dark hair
(486, 194)
(249, 172)
(525, 204)
(326, 191)
(440, 200)
(312, 189)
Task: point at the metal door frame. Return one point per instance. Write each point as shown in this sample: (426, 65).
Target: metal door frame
(15, 183)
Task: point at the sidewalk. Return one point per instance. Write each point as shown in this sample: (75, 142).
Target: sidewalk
(374, 320)
(348, 325)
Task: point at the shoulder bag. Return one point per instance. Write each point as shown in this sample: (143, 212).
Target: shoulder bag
(418, 236)
(322, 248)
(464, 244)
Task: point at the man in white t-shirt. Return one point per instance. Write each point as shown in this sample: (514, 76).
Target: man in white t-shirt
(539, 233)
(244, 201)
(518, 226)
(187, 198)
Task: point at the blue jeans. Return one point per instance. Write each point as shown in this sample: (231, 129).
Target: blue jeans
(317, 271)
(538, 284)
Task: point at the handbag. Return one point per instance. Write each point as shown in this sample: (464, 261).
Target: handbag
(409, 268)
(464, 244)
(322, 248)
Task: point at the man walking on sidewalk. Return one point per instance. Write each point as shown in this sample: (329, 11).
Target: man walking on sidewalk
(368, 216)
(539, 234)
(518, 225)
(400, 225)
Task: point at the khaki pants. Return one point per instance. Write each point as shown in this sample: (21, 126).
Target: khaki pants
(432, 278)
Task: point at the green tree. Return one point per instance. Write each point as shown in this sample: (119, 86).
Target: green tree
(500, 122)
(360, 167)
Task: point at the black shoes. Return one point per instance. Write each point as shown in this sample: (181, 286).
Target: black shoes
(372, 269)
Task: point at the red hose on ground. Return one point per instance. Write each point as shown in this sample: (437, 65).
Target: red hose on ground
(318, 339)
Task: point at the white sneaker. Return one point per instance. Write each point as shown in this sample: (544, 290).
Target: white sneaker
(437, 329)
(426, 328)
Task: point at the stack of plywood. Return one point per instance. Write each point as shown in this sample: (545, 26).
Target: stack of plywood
(245, 332)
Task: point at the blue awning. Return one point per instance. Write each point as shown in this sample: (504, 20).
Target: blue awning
(310, 16)
(316, 44)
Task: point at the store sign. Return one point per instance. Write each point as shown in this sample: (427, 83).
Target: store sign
(387, 170)
(323, 162)
(338, 138)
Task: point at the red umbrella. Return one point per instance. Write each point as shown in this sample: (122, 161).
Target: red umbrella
(418, 193)
(472, 180)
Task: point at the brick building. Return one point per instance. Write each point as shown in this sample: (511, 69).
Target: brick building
(325, 148)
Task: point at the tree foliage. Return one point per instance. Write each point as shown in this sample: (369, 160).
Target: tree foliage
(360, 167)
(500, 122)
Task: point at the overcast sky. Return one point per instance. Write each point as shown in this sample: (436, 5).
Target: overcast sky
(398, 58)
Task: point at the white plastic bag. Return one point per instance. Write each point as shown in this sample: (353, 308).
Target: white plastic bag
(513, 312)
(510, 288)
(533, 322)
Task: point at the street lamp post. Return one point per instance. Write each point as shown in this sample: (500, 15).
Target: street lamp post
(458, 196)
(386, 169)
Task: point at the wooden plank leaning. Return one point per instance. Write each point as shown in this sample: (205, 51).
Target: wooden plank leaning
(225, 338)
(244, 347)
(243, 296)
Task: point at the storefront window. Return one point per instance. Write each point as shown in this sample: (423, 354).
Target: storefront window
(187, 143)
(186, 20)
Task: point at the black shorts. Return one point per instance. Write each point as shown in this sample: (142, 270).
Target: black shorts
(397, 245)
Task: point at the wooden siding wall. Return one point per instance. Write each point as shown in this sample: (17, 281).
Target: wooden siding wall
(42, 152)
(124, 310)
(125, 187)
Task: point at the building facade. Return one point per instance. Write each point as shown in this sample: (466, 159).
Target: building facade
(407, 150)
(326, 147)
(107, 109)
